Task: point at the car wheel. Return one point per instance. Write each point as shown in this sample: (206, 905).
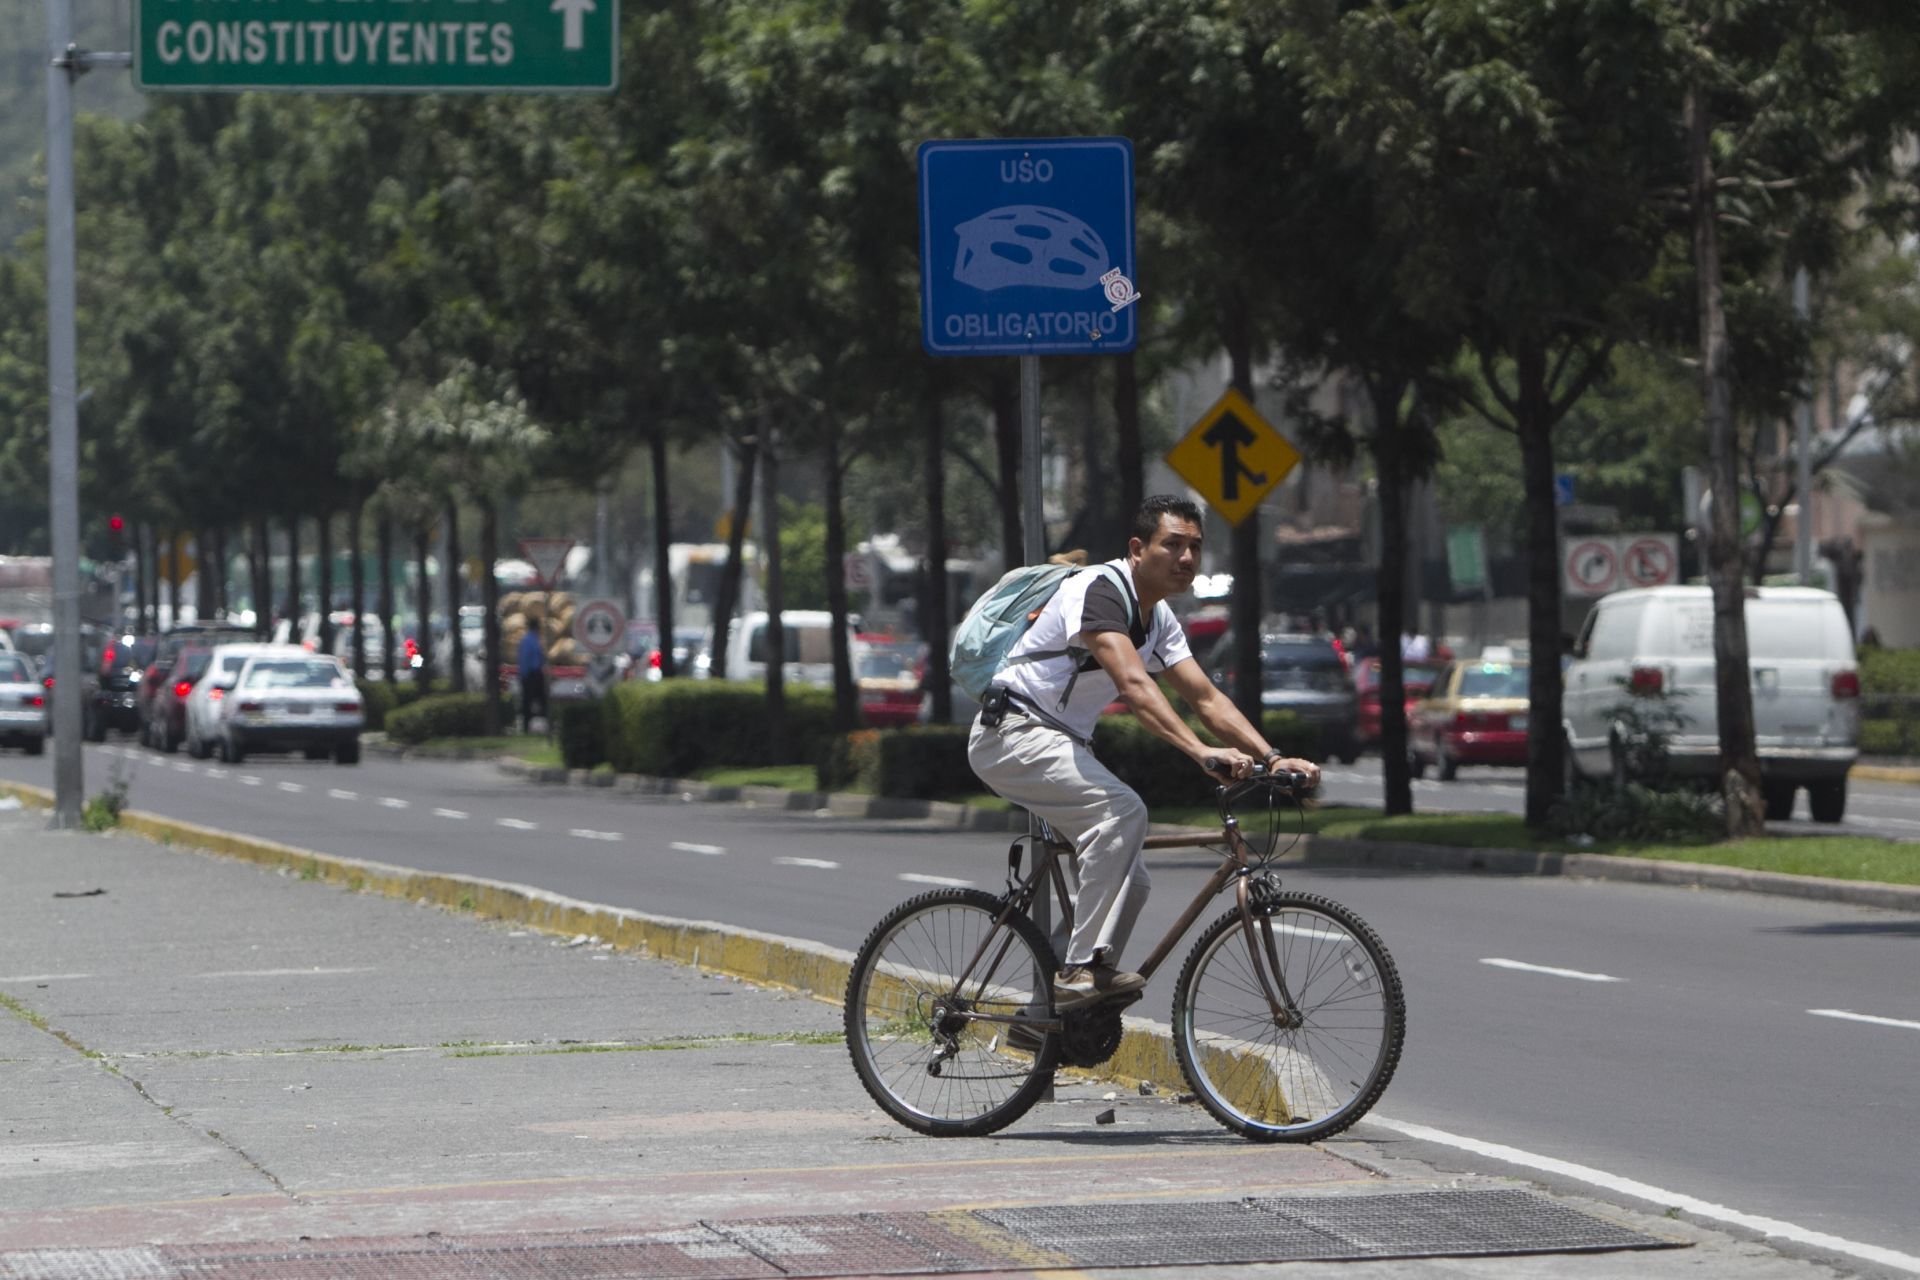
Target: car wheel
(93, 729)
(315, 753)
(231, 751)
(34, 746)
(348, 752)
(1779, 798)
(168, 743)
(1416, 767)
(1828, 800)
(196, 747)
(1444, 765)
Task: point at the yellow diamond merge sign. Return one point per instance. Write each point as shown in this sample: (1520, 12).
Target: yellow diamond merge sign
(1233, 456)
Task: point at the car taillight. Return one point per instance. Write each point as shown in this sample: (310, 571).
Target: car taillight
(48, 682)
(1846, 684)
(36, 700)
(653, 660)
(1646, 681)
(346, 706)
(214, 695)
(183, 688)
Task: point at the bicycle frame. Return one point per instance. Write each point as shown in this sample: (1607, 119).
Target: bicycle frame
(1236, 866)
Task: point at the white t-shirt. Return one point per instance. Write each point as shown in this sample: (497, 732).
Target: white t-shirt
(1072, 688)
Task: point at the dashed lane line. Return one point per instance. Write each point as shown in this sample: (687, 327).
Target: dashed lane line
(516, 824)
(586, 833)
(395, 802)
(705, 850)
(914, 877)
(295, 787)
(1521, 965)
(340, 793)
(450, 813)
(249, 780)
(1849, 1016)
(820, 864)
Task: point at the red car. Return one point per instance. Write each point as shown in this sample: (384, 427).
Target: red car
(889, 686)
(1476, 713)
(1417, 677)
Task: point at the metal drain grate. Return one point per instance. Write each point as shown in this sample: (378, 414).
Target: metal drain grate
(1157, 1235)
(1455, 1223)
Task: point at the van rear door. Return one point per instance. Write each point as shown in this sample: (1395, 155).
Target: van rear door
(1796, 646)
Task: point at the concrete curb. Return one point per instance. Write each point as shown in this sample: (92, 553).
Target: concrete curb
(1332, 851)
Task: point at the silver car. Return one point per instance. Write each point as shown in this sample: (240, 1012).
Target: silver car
(23, 705)
(305, 702)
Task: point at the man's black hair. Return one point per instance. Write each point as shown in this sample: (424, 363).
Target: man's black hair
(1146, 522)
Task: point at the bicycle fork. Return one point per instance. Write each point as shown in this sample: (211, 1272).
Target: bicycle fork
(1258, 929)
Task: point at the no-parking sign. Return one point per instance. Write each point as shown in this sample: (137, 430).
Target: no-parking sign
(1592, 567)
(1649, 560)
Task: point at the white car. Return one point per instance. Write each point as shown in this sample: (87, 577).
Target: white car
(23, 704)
(209, 693)
(291, 702)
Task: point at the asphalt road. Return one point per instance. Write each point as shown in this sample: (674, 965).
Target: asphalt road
(1890, 810)
(1711, 1044)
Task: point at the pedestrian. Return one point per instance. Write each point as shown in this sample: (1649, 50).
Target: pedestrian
(1103, 635)
(531, 662)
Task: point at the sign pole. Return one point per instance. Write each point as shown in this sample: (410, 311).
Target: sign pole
(63, 424)
(1033, 530)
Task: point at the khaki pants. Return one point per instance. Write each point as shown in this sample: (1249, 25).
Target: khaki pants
(1038, 767)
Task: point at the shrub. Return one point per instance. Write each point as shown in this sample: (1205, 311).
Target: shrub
(673, 727)
(582, 730)
(1640, 814)
(378, 698)
(442, 715)
(850, 762)
(1889, 670)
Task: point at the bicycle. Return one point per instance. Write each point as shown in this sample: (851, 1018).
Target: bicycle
(1288, 1017)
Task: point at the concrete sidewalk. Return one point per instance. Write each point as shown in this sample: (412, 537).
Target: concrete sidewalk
(208, 1066)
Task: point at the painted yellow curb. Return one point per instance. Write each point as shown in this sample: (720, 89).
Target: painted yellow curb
(1884, 773)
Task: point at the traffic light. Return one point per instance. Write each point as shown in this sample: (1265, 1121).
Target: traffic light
(115, 523)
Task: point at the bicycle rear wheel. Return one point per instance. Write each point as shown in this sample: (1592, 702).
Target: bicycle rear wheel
(1281, 1079)
(911, 1008)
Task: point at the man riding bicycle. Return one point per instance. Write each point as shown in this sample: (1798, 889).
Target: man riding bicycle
(1104, 634)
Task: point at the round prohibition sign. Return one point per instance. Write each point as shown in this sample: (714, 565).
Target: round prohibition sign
(1592, 566)
(1648, 563)
(599, 626)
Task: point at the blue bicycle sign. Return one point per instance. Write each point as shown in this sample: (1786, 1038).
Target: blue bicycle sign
(1026, 247)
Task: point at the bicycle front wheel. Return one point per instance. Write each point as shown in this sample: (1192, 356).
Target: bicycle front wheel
(928, 1013)
(1319, 1063)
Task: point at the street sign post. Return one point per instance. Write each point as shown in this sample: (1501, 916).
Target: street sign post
(421, 46)
(1233, 457)
(1026, 247)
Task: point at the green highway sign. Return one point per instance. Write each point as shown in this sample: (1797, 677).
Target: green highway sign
(377, 46)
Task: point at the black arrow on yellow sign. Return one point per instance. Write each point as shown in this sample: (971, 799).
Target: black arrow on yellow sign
(1229, 436)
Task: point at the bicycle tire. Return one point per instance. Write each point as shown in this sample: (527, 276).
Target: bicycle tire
(1275, 1084)
(947, 1075)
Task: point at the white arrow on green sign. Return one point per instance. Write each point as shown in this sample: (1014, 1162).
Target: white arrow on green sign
(377, 46)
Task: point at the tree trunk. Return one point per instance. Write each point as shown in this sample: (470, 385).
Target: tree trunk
(490, 630)
(142, 564)
(662, 554)
(1390, 585)
(323, 549)
(423, 601)
(1739, 760)
(846, 703)
(934, 616)
(1546, 741)
(294, 611)
(221, 603)
(357, 584)
(1126, 416)
(383, 548)
(203, 575)
(173, 578)
(1246, 606)
(727, 594)
(262, 579)
(456, 644)
(776, 633)
(1006, 444)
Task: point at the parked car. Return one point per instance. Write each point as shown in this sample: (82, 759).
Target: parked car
(889, 687)
(224, 662)
(88, 682)
(1475, 713)
(115, 698)
(167, 714)
(286, 702)
(1304, 674)
(808, 650)
(23, 705)
(1417, 677)
(204, 634)
(1657, 642)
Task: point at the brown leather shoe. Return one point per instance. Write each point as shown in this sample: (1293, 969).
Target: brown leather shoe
(1077, 986)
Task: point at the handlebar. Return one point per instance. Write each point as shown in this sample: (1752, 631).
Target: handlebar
(1291, 779)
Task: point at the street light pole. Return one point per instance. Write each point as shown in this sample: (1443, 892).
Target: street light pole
(63, 423)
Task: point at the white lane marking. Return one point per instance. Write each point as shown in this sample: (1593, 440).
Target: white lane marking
(215, 771)
(44, 977)
(1656, 1195)
(912, 877)
(249, 780)
(183, 767)
(394, 802)
(586, 834)
(1865, 1017)
(449, 813)
(1523, 966)
(315, 972)
(820, 863)
(707, 850)
(517, 824)
(293, 786)
(339, 794)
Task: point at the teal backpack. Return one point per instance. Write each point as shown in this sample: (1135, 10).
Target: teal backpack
(1003, 614)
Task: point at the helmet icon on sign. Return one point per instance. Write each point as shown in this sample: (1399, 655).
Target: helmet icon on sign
(1032, 245)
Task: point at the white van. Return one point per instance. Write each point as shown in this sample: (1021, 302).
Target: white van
(1806, 688)
(809, 647)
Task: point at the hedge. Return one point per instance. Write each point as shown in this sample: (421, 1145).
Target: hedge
(378, 698)
(1889, 670)
(442, 715)
(582, 730)
(671, 728)
(931, 762)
